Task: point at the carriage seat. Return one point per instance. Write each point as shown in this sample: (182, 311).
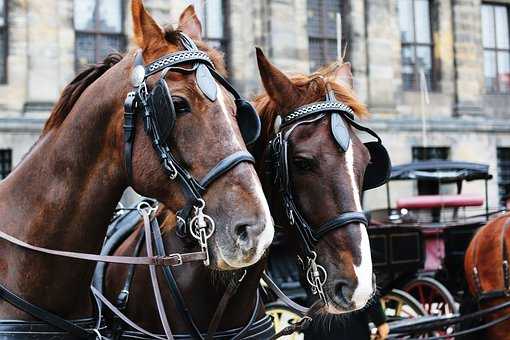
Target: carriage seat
(439, 201)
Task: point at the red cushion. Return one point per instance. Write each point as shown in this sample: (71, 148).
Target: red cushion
(439, 201)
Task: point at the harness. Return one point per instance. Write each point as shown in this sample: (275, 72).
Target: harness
(256, 329)
(158, 113)
(376, 174)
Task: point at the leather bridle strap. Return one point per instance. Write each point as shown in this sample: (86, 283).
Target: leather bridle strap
(154, 278)
(121, 315)
(225, 165)
(222, 306)
(170, 260)
(172, 283)
(340, 221)
(297, 308)
(45, 316)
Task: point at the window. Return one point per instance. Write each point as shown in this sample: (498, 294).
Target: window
(416, 39)
(421, 153)
(3, 41)
(496, 48)
(322, 34)
(212, 15)
(5, 162)
(99, 30)
(503, 171)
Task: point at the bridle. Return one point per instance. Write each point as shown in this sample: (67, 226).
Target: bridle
(158, 113)
(316, 274)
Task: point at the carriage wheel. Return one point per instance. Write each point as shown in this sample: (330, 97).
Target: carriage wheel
(433, 296)
(399, 305)
(282, 317)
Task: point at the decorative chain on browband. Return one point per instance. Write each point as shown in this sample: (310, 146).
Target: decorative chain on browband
(315, 108)
(175, 59)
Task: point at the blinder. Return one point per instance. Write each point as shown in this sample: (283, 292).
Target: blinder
(163, 109)
(378, 171)
(376, 174)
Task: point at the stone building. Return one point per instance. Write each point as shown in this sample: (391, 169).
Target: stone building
(458, 50)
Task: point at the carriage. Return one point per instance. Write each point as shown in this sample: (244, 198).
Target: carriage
(418, 245)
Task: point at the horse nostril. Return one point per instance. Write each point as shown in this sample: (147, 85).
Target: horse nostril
(343, 294)
(241, 231)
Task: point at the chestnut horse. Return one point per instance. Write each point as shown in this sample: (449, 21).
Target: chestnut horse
(485, 268)
(64, 192)
(326, 182)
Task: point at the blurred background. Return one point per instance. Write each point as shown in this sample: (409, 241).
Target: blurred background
(434, 73)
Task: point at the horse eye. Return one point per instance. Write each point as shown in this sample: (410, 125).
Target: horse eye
(303, 164)
(181, 105)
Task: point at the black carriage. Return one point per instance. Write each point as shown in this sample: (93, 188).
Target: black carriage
(418, 245)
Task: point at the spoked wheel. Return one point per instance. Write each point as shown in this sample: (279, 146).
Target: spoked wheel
(399, 305)
(282, 317)
(434, 298)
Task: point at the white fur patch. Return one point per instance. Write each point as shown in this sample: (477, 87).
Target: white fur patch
(364, 290)
(266, 237)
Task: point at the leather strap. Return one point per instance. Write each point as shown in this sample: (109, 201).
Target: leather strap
(170, 260)
(154, 277)
(222, 306)
(172, 283)
(225, 165)
(44, 315)
(121, 315)
(339, 221)
(296, 308)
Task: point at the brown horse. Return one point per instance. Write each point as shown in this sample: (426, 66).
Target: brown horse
(64, 192)
(483, 265)
(326, 181)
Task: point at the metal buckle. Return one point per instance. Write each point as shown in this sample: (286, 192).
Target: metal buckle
(179, 259)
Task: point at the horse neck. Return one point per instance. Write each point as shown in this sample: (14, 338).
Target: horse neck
(62, 195)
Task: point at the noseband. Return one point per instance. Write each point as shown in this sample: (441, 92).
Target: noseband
(158, 113)
(278, 154)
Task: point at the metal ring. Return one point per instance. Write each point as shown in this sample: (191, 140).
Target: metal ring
(208, 220)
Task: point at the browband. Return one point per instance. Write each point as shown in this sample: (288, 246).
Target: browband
(177, 58)
(315, 108)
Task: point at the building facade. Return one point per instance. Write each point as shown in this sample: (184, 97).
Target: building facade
(435, 74)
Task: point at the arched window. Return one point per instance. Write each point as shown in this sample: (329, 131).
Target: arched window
(99, 29)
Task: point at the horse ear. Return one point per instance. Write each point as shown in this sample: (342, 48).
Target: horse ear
(147, 32)
(190, 24)
(342, 74)
(277, 85)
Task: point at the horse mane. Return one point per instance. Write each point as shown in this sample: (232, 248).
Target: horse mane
(312, 88)
(75, 88)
